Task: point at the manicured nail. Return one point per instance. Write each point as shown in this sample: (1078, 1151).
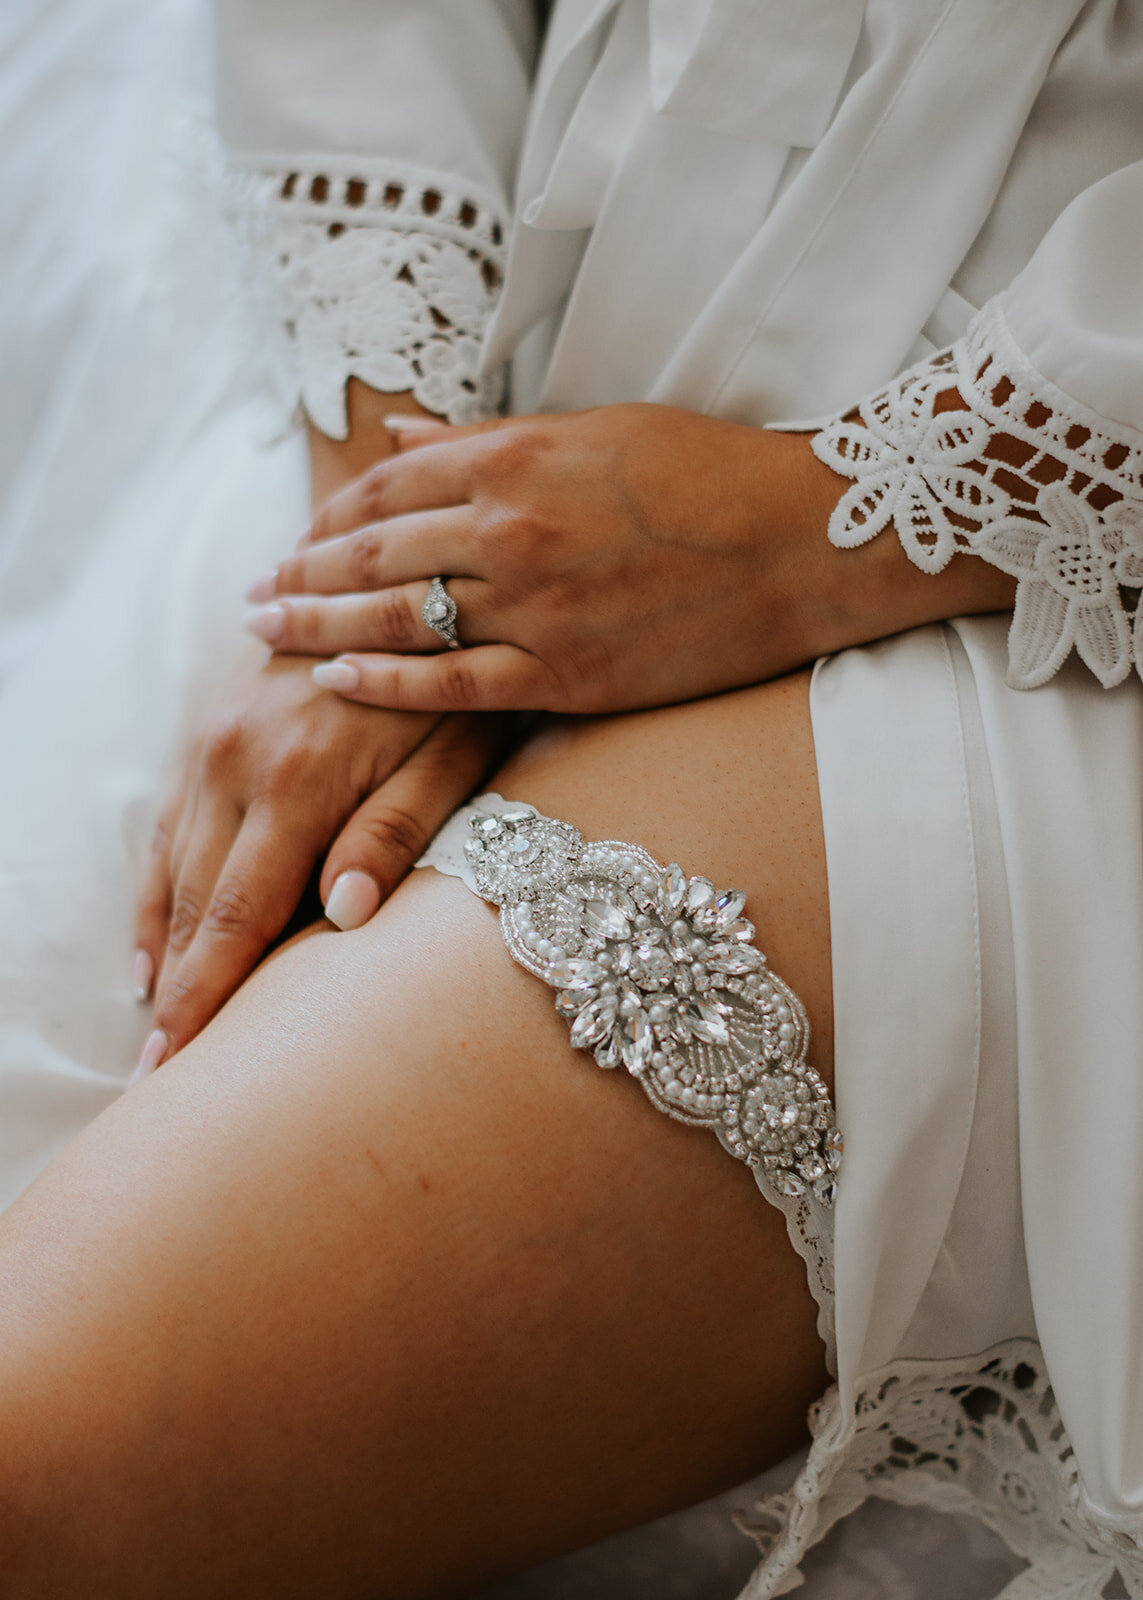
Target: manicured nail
(263, 588)
(153, 1052)
(352, 900)
(144, 975)
(339, 675)
(268, 623)
(406, 424)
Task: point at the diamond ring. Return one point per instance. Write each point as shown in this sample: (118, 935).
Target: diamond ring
(439, 613)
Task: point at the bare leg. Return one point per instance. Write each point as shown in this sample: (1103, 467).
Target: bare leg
(380, 1289)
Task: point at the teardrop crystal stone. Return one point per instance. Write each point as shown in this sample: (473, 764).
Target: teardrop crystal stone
(674, 890)
(608, 1053)
(700, 893)
(788, 1183)
(604, 920)
(637, 1046)
(473, 848)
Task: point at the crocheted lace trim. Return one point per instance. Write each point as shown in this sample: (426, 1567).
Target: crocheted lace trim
(983, 1438)
(975, 451)
(386, 274)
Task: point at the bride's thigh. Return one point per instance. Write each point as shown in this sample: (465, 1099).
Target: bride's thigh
(380, 1288)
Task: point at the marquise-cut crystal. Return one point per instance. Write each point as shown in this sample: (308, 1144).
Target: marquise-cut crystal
(728, 908)
(674, 889)
(700, 893)
(706, 1023)
(604, 920)
(658, 973)
(576, 974)
(594, 1021)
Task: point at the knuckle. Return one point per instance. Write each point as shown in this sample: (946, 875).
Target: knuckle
(374, 489)
(365, 551)
(508, 455)
(288, 768)
(186, 915)
(233, 910)
(222, 744)
(396, 624)
(459, 686)
(394, 834)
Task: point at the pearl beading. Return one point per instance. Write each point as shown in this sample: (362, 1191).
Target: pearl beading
(657, 972)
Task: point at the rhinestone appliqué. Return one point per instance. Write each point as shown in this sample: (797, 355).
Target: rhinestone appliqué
(657, 973)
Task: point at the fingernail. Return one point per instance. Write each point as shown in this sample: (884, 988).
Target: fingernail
(144, 975)
(153, 1052)
(263, 588)
(339, 675)
(405, 424)
(266, 624)
(352, 900)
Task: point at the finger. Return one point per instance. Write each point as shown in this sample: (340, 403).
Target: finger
(390, 831)
(153, 911)
(203, 850)
(425, 480)
(255, 896)
(377, 556)
(389, 620)
(491, 677)
(413, 433)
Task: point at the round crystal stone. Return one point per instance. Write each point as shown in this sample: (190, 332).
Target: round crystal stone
(651, 967)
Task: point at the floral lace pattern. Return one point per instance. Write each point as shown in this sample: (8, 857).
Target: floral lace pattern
(1058, 505)
(983, 1438)
(387, 276)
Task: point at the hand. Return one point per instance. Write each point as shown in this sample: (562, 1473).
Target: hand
(279, 771)
(627, 556)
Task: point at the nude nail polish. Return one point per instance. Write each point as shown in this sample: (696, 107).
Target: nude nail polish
(263, 588)
(144, 975)
(153, 1052)
(352, 900)
(340, 675)
(268, 623)
(406, 424)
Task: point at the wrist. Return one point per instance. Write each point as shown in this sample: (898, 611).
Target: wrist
(854, 596)
(336, 462)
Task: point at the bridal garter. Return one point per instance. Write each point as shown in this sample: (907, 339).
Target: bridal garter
(657, 972)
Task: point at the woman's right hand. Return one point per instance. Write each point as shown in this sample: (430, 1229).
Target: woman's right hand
(280, 774)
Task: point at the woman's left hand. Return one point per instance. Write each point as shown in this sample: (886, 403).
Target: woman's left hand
(627, 556)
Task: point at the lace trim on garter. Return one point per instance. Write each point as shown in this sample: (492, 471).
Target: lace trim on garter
(1058, 505)
(982, 1437)
(386, 274)
(718, 1044)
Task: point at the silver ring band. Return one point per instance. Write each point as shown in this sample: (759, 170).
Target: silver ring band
(439, 613)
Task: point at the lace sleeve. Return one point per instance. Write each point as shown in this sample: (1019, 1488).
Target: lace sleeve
(387, 273)
(975, 451)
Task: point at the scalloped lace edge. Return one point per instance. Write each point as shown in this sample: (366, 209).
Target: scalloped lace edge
(384, 272)
(1066, 521)
(979, 1436)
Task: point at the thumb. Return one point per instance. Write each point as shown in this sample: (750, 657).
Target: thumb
(389, 831)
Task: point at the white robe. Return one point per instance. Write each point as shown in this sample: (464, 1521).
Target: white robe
(763, 211)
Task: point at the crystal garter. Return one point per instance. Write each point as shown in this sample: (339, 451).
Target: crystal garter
(657, 972)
